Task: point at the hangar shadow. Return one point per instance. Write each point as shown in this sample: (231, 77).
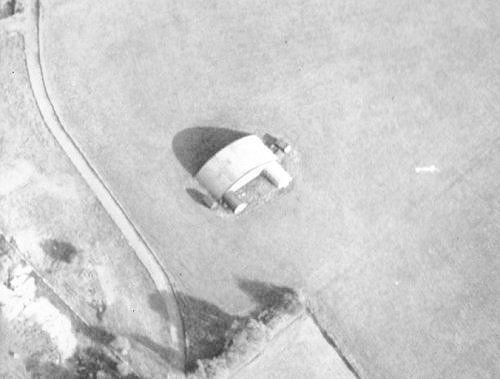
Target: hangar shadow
(195, 146)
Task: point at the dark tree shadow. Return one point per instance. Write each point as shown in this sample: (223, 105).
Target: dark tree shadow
(267, 295)
(205, 326)
(194, 146)
(59, 251)
(102, 337)
(7, 8)
(87, 363)
(5, 247)
(165, 353)
(158, 303)
(208, 327)
(45, 370)
(97, 334)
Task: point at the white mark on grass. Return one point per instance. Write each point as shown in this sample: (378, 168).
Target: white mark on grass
(54, 323)
(14, 176)
(111, 291)
(29, 240)
(18, 301)
(62, 186)
(426, 169)
(174, 334)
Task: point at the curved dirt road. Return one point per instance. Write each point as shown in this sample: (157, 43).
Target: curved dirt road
(144, 253)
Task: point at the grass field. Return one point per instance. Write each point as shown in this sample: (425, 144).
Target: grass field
(391, 226)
